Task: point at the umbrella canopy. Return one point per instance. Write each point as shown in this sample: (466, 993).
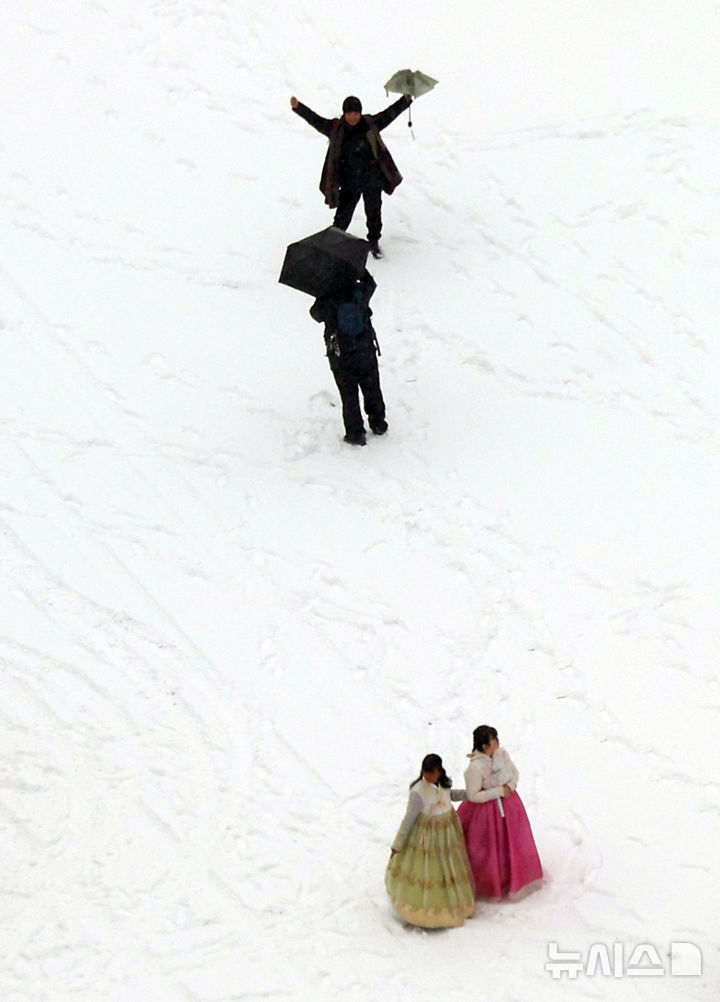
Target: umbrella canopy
(411, 82)
(325, 262)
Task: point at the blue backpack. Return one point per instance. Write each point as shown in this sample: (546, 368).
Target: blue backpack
(353, 323)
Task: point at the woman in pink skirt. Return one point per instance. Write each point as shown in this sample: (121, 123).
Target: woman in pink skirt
(500, 843)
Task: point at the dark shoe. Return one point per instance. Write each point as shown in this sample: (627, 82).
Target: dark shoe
(375, 249)
(356, 439)
(379, 427)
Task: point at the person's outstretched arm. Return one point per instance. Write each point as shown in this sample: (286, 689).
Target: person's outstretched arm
(323, 125)
(384, 118)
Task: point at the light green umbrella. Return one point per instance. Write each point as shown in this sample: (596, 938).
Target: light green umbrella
(411, 82)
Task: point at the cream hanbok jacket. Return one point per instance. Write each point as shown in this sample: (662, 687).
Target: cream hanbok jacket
(486, 775)
(425, 798)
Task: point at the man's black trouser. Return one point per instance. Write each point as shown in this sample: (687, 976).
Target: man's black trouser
(349, 198)
(358, 370)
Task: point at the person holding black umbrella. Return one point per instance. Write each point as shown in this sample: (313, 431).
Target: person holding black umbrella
(352, 351)
(357, 162)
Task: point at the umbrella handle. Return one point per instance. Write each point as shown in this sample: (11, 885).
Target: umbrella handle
(410, 122)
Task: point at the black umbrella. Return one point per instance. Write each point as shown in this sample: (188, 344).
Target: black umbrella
(325, 262)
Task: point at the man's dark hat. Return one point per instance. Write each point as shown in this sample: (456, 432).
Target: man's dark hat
(352, 104)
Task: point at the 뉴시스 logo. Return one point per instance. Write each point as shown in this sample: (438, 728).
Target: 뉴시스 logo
(619, 960)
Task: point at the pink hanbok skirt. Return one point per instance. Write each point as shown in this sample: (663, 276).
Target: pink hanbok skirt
(502, 851)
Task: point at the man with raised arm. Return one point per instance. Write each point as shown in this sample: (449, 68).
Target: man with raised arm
(357, 162)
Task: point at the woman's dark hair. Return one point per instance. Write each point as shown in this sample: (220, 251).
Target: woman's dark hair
(482, 736)
(429, 764)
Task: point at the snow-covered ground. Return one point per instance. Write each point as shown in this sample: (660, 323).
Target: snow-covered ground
(228, 639)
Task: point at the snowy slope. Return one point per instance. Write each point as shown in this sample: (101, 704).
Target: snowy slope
(227, 639)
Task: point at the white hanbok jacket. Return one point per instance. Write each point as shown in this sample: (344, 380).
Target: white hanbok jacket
(486, 775)
(425, 798)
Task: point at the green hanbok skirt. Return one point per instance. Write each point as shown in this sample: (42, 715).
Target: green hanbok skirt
(429, 880)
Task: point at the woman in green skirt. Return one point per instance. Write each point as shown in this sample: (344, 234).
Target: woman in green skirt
(428, 876)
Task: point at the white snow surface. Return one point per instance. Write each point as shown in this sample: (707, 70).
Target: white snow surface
(227, 638)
